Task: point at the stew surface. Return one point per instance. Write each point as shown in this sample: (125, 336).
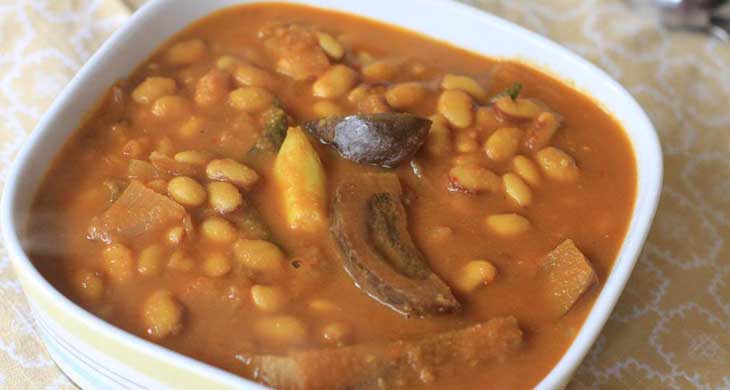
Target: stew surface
(315, 200)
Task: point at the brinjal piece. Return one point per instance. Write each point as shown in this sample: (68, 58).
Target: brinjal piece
(389, 234)
(114, 186)
(565, 275)
(138, 210)
(369, 226)
(384, 140)
(275, 122)
(142, 170)
(398, 364)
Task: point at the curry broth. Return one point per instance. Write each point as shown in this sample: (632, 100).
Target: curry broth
(593, 211)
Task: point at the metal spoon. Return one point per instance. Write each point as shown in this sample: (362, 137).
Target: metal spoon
(705, 16)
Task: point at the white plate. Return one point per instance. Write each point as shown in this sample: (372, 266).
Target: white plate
(138, 361)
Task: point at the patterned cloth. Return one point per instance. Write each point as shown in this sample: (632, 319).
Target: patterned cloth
(671, 328)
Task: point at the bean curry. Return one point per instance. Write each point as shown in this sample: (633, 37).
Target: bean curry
(310, 199)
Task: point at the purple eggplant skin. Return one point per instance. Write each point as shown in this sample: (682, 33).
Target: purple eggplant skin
(369, 225)
(384, 140)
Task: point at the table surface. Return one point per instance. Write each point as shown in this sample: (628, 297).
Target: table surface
(671, 328)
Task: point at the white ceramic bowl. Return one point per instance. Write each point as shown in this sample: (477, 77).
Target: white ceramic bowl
(96, 354)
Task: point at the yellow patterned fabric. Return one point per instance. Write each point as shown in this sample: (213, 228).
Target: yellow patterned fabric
(42, 45)
(671, 328)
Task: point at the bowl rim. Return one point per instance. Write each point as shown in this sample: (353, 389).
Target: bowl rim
(645, 203)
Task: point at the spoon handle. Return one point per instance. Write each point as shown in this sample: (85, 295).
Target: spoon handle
(720, 27)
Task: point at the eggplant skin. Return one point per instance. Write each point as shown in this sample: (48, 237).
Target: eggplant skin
(384, 140)
(387, 228)
(386, 265)
(394, 365)
(275, 124)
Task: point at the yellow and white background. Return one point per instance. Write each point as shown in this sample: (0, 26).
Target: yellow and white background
(671, 328)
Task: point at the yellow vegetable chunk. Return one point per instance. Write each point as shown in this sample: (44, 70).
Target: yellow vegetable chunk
(565, 275)
(300, 177)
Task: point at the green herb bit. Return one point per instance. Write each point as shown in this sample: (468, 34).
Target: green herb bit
(275, 122)
(513, 91)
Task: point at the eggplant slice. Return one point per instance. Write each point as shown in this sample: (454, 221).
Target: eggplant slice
(384, 140)
(390, 237)
(398, 364)
(369, 226)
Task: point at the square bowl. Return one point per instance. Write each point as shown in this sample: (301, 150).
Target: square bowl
(96, 354)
